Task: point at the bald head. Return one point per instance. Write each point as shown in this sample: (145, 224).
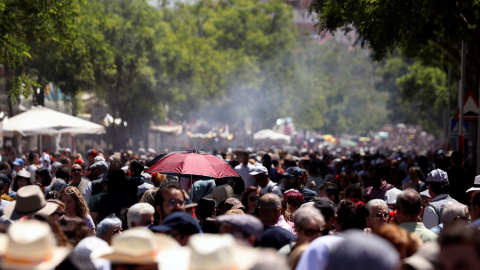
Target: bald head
(270, 201)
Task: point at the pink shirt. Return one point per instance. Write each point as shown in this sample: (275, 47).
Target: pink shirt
(284, 224)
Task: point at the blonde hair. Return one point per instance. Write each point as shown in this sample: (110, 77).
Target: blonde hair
(82, 207)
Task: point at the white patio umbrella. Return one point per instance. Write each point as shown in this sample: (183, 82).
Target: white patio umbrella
(271, 136)
(43, 121)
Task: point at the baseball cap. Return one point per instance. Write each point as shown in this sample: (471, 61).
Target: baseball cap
(259, 170)
(24, 173)
(19, 161)
(437, 176)
(179, 221)
(293, 172)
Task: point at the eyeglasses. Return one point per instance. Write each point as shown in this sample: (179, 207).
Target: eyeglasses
(253, 199)
(379, 215)
(173, 203)
(76, 170)
(59, 213)
(117, 230)
(312, 232)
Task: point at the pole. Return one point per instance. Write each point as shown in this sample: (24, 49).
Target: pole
(478, 141)
(449, 104)
(460, 92)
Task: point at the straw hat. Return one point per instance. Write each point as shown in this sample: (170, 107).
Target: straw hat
(137, 246)
(29, 200)
(210, 252)
(30, 244)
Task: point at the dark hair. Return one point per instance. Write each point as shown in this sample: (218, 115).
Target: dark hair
(205, 208)
(4, 166)
(354, 191)
(457, 157)
(8, 174)
(46, 179)
(62, 172)
(136, 166)
(476, 199)
(2, 185)
(248, 190)
(165, 185)
(439, 188)
(460, 235)
(31, 156)
(330, 189)
(116, 181)
(74, 228)
(326, 207)
(210, 225)
(351, 216)
(15, 183)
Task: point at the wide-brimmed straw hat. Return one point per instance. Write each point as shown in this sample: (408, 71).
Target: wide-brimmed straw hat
(210, 252)
(28, 201)
(137, 246)
(30, 244)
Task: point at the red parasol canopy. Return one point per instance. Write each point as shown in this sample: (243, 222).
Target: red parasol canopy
(193, 165)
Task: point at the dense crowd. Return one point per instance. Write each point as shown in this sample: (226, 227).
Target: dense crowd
(299, 210)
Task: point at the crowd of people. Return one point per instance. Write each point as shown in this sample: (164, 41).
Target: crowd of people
(301, 210)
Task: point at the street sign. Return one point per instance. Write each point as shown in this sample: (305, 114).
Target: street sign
(454, 128)
(470, 108)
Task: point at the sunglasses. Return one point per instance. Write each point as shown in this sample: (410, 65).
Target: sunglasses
(379, 215)
(173, 203)
(253, 199)
(311, 232)
(76, 170)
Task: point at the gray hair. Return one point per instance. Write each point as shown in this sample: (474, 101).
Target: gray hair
(375, 202)
(452, 211)
(306, 215)
(136, 211)
(270, 201)
(106, 223)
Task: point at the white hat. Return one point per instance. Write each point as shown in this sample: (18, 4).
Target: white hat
(30, 244)
(259, 170)
(391, 196)
(137, 246)
(425, 193)
(476, 184)
(98, 158)
(437, 176)
(212, 252)
(24, 173)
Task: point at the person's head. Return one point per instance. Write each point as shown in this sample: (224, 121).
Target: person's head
(377, 175)
(329, 190)
(169, 198)
(42, 176)
(267, 161)
(309, 224)
(377, 213)
(140, 215)
(149, 196)
(328, 210)
(77, 172)
(294, 200)
(33, 158)
(250, 197)
(294, 177)
(18, 164)
(350, 216)
(475, 207)
(63, 172)
(415, 174)
(400, 238)
(74, 228)
(21, 180)
(270, 209)
(243, 157)
(437, 181)
(60, 209)
(91, 154)
(178, 225)
(244, 227)
(75, 204)
(409, 206)
(457, 158)
(456, 214)
(343, 180)
(109, 227)
(136, 167)
(260, 174)
(205, 208)
(12, 155)
(459, 248)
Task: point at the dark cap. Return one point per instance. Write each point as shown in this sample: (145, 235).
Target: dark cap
(248, 224)
(180, 221)
(293, 172)
(326, 207)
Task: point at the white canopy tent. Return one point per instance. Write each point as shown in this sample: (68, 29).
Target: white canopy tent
(43, 121)
(271, 136)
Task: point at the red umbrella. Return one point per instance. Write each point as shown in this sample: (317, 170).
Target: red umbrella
(193, 165)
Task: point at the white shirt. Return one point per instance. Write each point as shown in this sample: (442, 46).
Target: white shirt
(31, 169)
(85, 188)
(274, 188)
(244, 172)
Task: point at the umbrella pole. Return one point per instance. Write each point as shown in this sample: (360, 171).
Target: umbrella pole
(191, 187)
